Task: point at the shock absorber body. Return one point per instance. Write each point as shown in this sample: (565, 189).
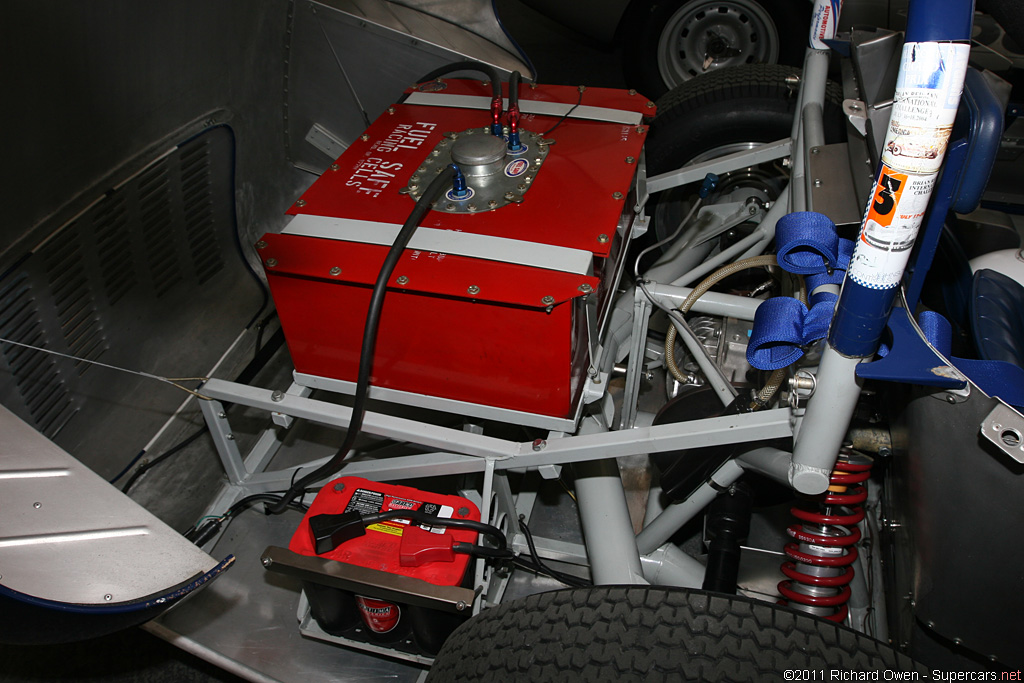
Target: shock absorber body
(819, 569)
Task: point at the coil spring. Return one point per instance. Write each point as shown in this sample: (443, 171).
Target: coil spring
(820, 569)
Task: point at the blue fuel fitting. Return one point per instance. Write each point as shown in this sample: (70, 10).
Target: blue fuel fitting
(710, 181)
(459, 188)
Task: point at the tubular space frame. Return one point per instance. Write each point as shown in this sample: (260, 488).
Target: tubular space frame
(463, 452)
(459, 452)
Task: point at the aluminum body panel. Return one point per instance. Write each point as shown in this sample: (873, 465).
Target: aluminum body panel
(963, 520)
(330, 44)
(133, 282)
(68, 536)
(109, 82)
(248, 617)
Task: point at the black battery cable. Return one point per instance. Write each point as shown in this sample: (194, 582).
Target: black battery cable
(434, 190)
(331, 530)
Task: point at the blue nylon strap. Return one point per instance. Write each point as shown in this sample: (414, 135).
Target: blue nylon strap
(807, 245)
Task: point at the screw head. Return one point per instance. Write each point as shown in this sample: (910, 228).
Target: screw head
(37, 505)
(473, 289)
(364, 137)
(277, 396)
(460, 605)
(521, 186)
(340, 486)
(630, 160)
(229, 437)
(471, 207)
(402, 280)
(548, 300)
(463, 511)
(602, 238)
(586, 288)
(335, 270)
(108, 597)
(632, 91)
(492, 203)
(300, 202)
(391, 110)
(539, 444)
(641, 129)
(334, 167)
(449, 207)
(649, 105)
(261, 245)
(271, 262)
(510, 196)
(616, 195)
(266, 561)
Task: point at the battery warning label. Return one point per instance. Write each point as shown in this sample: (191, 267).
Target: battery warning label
(367, 501)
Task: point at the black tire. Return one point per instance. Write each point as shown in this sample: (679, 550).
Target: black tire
(658, 46)
(637, 633)
(725, 111)
(750, 103)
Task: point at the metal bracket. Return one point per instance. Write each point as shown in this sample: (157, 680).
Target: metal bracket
(637, 342)
(1004, 427)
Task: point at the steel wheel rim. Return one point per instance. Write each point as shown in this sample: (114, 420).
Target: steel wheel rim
(729, 31)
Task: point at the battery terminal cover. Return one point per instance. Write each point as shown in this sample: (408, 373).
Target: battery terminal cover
(419, 547)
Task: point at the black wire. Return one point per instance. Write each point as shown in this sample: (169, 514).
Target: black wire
(481, 551)
(538, 564)
(579, 101)
(522, 53)
(433, 191)
(127, 467)
(249, 501)
(160, 458)
(430, 520)
(200, 534)
(467, 65)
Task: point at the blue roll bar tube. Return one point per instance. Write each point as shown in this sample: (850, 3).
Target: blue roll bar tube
(928, 89)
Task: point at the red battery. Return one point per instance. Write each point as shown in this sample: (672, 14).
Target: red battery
(486, 317)
(363, 615)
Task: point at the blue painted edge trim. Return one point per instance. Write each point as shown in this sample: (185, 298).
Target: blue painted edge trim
(120, 608)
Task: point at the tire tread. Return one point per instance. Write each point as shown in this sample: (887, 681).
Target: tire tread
(619, 633)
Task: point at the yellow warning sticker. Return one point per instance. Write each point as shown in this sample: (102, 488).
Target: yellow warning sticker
(387, 529)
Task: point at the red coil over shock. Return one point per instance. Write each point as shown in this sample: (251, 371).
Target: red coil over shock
(820, 568)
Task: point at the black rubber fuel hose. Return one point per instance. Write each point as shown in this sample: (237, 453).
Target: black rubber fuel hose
(434, 190)
(467, 65)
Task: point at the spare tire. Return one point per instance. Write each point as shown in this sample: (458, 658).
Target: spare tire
(641, 633)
